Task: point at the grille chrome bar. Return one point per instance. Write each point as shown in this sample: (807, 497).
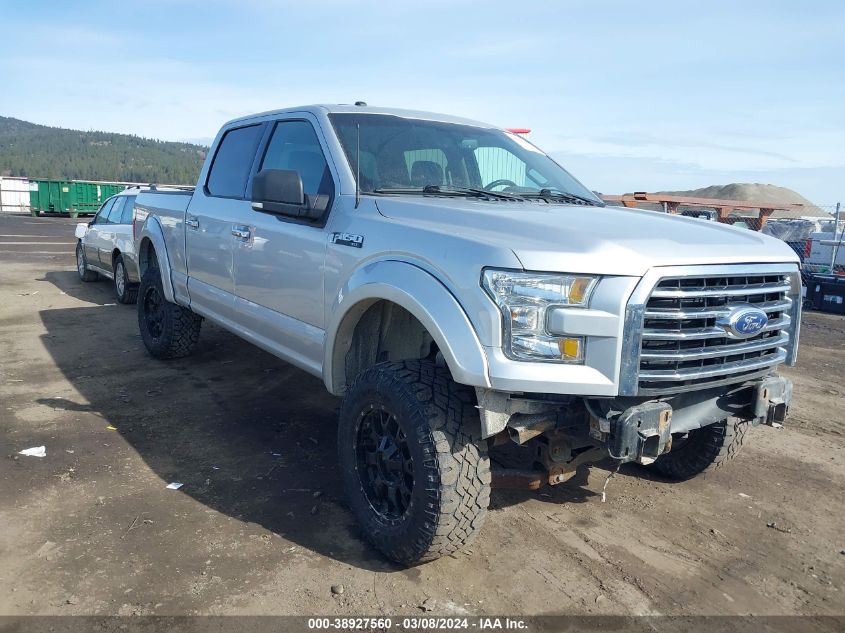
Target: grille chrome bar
(719, 370)
(675, 340)
(723, 291)
(716, 351)
(694, 334)
(779, 305)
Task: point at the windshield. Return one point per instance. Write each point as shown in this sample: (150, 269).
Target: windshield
(402, 155)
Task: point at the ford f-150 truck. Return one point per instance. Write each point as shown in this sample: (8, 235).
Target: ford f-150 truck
(460, 290)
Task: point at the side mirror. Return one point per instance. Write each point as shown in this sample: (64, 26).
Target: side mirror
(272, 187)
(280, 191)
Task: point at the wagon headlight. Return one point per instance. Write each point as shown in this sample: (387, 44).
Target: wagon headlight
(524, 299)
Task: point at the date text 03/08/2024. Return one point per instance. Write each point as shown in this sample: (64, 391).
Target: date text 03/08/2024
(418, 623)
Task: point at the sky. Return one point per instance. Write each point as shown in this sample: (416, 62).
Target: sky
(627, 95)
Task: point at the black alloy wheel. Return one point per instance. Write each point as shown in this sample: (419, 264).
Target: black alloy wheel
(384, 463)
(154, 312)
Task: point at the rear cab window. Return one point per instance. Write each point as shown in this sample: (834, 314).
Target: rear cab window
(230, 170)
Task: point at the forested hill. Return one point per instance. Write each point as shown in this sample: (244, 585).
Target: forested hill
(39, 151)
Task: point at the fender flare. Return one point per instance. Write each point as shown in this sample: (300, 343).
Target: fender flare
(421, 294)
(151, 232)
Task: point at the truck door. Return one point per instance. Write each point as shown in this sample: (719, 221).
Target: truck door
(213, 210)
(279, 260)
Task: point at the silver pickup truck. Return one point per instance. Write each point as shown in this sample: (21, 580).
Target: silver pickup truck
(460, 290)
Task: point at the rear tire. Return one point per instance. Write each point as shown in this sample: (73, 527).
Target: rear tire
(125, 291)
(702, 450)
(82, 266)
(416, 472)
(168, 330)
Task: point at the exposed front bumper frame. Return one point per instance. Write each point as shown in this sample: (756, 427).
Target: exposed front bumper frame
(643, 432)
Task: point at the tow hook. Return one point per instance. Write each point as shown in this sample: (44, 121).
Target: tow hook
(641, 433)
(771, 401)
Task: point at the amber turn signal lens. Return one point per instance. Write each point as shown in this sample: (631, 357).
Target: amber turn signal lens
(569, 347)
(578, 289)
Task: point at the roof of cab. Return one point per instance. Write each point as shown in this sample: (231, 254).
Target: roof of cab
(354, 109)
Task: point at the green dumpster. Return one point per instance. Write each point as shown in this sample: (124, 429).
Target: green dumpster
(71, 197)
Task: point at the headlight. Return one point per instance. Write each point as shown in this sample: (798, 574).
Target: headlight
(524, 299)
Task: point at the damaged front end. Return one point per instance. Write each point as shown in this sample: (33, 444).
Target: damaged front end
(561, 434)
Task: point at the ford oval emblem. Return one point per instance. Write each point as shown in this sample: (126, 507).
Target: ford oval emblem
(744, 322)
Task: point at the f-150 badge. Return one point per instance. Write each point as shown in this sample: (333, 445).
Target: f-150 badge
(348, 239)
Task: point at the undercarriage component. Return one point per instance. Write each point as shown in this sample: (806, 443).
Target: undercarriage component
(518, 478)
(496, 409)
(561, 455)
(522, 428)
(553, 432)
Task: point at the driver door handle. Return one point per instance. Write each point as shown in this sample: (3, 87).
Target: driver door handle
(193, 221)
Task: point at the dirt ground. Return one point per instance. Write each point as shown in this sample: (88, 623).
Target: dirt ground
(260, 527)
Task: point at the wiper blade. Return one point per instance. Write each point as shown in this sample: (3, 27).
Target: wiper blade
(397, 190)
(470, 191)
(548, 194)
(445, 190)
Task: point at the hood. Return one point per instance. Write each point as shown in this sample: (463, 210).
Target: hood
(579, 239)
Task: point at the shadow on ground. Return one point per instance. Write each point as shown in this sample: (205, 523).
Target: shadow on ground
(100, 292)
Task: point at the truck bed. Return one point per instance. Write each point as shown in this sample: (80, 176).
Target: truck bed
(169, 207)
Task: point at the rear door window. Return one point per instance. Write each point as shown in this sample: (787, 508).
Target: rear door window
(128, 207)
(115, 211)
(233, 161)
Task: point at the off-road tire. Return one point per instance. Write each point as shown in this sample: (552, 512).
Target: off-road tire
(82, 265)
(451, 470)
(129, 292)
(175, 330)
(703, 450)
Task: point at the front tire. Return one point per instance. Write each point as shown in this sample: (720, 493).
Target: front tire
(702, 450)
(82, 266)
(125, 291)
(168, 330)
(415, 470)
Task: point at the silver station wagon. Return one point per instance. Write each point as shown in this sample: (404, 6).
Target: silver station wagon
(105, 246)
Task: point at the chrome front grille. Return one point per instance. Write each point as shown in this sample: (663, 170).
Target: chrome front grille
(678, 344)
